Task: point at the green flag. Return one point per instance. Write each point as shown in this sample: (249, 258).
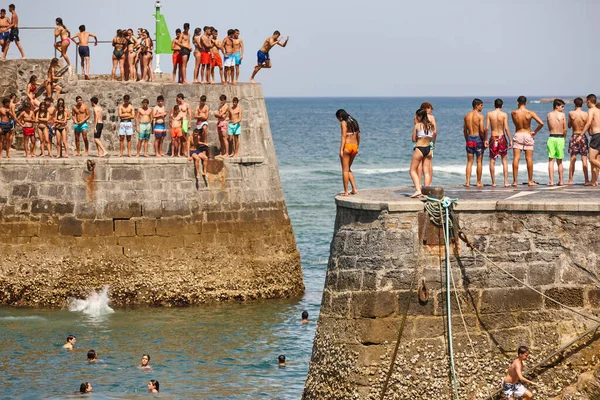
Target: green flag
(163, 39)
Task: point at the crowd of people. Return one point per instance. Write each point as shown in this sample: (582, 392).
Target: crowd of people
(475, 130)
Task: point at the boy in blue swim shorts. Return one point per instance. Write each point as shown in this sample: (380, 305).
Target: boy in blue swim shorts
(474, 137)
(143, 124)
(264, 61)
(234, 128)
(160, 129)
(80, 114)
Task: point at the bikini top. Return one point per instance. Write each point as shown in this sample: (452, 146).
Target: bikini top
(424, 134)
(351, 133)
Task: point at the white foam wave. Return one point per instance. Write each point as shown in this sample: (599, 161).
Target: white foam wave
(28, 318)
(95, 304)
(373, 171)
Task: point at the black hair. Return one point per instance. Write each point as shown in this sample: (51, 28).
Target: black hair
(145, 101)
(3, 11)
(12, 95)
(81, 28)
(578, 102)
(11, 7)
(50, 99)
(126, 97)
(277, 33)
(557, 102)
(476, 102)
(427, 124)
(350, 121)
(521, 100)
(230, 32)
(222, 97)
(304, 314)
(203, 97)
(180, 96)
(5, 101)
(235, 99)
(281, 358)
(498, 103)
(83, 387)
(236, 30)
(94, 100)
(206, 27)
(177, 30)
(522, 350)
(60, 21)
(592, 98)
(146, 355)
(156, 384)
(214, 30)
(186, 26)
(78, 98)
(197, 31)
(91, 355)
(161, 97)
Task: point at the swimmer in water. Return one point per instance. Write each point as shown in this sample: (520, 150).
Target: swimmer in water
(304, 317)
(70, 342)
(85, 388)
(145, 362)
(281, 361)
(92, 356)
(153, 386)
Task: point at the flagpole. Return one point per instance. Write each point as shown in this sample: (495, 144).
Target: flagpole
(157, 5)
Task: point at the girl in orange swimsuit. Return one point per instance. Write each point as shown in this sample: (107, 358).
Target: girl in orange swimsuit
(348, 148)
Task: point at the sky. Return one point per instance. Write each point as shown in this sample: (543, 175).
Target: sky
(366, 48)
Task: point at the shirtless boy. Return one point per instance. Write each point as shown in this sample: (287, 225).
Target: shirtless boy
(264, 61)
(235, 127)
(497, 122)
(217, 61)
(196, 151)
(229, 62)
(5, 127)
(524, 138)
(557, 124)
(160, 129)
(81, 115)
(176, 47)
(143, 126)
(26, 120)
(83, 39)
(475, 140)
(512, 385)
(201, 115)
(14, 123)
(186, 50)
(186, 110)
(98, 112)
(51, 119)
(14, 33)
(238, 53)
(70, 342)
(593, 123)
(175, 120)
(126, 115)
(222, 127)
(578, 145)
(4, 29)
(206, 42)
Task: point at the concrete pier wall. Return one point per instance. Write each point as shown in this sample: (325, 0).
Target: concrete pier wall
(381, 239)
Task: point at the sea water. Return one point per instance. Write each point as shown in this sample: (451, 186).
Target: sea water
(230, 350)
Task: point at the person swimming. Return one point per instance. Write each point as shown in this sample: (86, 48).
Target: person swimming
(85, 388)
(304, 317)
(281, 361)
(92, 356)
(153, 386)
(145, 362)
(71, 339)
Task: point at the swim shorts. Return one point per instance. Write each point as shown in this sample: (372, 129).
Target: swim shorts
(595, 141)
(578, 145)
(229, 60)
(205, 58)
(28, 131)
(238, 58)
(513, 390)
(192, 152)
(4, 36)
(498, 147)
(51, 130)
(14, 35)
(523, 141)
(222, 126)
(145, 130)
(80, 127)
(176, 57)
(184, 52)
(185, 126)
(4, 128)
(84, 51)
(475, 145)
(125, 128)
(176, 132)
(160, 131)
(556, 147)
(262, 57)
(98, 132)
(234, 129)
(217, 61)
(200, 125)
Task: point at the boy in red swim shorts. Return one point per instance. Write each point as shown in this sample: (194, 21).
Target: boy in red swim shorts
(497, 122)
(176, 132)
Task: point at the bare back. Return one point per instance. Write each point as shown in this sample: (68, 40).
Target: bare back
(557, 124)
(577, 120)
(498, 120)
(594, 116)
(474, 123)
(522, 120)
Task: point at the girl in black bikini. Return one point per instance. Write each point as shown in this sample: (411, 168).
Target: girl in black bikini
(60, 127)
(118, 58)
(422, 136)
(146, 54)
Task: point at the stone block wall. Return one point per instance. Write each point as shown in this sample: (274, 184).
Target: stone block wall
(374, 256)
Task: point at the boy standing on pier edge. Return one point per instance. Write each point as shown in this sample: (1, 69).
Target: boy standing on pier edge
(474, 132)
(524, 138)
(557, 125)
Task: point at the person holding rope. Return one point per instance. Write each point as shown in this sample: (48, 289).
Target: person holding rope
(512, 385)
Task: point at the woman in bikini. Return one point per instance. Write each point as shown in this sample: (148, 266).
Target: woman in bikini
(52, 81)
(118, 58)
(132, 56)
(147, 47)
(423, 135)
(30, 90)
(197, 52)
(65, 39)
(60, 128)
(42, 117)
(348, 148)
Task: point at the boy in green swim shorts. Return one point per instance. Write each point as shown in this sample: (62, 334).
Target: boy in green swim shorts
(234, 128)
(557, 124)
(143, 126)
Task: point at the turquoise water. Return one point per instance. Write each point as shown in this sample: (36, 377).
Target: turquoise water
(230, 351)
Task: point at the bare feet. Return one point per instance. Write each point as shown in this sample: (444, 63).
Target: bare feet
(354, 192)
(252, 81)
(569, 182)
(506, 184)
(479, 184)
(532, 183)
(415, 195)
(514, 184)
(588, 184)
(466, 184)
(494, 184)
(85, 154)
(346, 194)
(560, 184)
(549, 184)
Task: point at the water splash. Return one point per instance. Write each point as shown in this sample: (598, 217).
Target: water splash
(95, 304)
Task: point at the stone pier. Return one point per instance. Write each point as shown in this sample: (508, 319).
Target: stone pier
(547, 238)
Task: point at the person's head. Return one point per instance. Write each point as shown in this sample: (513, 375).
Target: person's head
(558, 104)
(160, 100)
(3, 13)
(235, 101)
(85, 387)
(203, 99)
(180, 98)
(236, 33)
(60, 101)
(427, 106)
(215, 33)
(523, 352)
(145, 359)
(223, 98)
(304, 314)
(421, 114)
(230, 32)
(81, 28)
(276, 34)
(59, 21)
(78, 100)
(578, 102)
(521, 100)
(206, 29)
(126, 99)
(351, 123)
(54, 63)
(5, 102)
(176, 109)
(498, 103)
(60, 108)
(94, 100)
(477, 104)
(32, 79)
(591, 100)
(197, 31)
(43, 108)
(92, 355)
(281, 359)
(153, 385)
(186, 27)
(27, 107)
(145, 103)
(177, 32)
(11, 8)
